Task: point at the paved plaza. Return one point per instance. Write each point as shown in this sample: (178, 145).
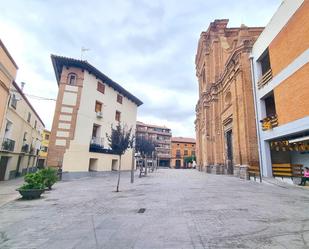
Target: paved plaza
(183, 209)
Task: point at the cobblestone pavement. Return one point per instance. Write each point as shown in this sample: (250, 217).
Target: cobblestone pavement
(184, 209)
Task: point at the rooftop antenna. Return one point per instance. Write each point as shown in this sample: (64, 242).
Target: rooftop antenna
(82, 50)
(22, 86)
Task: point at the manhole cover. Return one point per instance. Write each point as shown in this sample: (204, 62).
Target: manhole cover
(141, 210)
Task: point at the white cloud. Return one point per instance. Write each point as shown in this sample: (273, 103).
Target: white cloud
(147, 46)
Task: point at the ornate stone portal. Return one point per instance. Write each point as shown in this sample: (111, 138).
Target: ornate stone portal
(225, 118)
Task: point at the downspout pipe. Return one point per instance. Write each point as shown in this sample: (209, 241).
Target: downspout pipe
(256, 115)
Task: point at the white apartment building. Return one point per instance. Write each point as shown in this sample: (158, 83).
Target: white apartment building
(88, 104)
(280, 66)
(20, 136)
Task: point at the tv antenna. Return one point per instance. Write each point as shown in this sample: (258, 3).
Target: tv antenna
(82, 51)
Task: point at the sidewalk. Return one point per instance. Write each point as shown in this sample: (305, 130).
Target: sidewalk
(8, 190)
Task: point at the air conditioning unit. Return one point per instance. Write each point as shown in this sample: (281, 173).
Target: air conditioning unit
(99, 115)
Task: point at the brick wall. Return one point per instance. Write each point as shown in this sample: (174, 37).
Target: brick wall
(292, 40)
(291, 97)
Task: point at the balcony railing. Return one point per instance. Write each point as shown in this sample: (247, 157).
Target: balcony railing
(25, 148)
(265, 79)
(8, 144)
(32, 150)
(97, 145)
(269, 122)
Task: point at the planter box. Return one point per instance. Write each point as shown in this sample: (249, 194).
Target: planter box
(30, 193)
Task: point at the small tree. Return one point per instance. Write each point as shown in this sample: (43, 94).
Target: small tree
(119, 141)
(145, 147)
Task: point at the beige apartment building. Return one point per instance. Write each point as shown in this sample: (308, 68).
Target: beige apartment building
(88, 104)
(161, 137)
(21, 136)
(20, 125)
(8, 71)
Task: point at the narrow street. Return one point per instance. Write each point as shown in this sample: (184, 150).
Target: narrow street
(183, 209)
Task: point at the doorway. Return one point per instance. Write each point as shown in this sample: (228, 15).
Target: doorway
(229, 151)
(178, 162)
(3, 165)
(114, 164)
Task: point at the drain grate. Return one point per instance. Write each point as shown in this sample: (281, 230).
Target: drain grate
(141, 210)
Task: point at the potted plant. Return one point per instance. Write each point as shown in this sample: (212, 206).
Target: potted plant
(49, 176)
(34, 186)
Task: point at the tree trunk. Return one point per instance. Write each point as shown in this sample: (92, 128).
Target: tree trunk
(133, 166)
(146, 165)
(119, 169)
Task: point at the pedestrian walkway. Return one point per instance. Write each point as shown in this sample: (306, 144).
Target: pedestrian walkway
(169, 209)
(8, 190)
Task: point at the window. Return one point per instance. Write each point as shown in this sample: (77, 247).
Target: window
(29, 117)
(101, 87)
(185, 152)
(14, 101)
(46, 136)
(25, 137)
(119, 98)
(44, 148)
(72, 79)
(193, 153)
(8, 128)
(117, 116)
(35, 124)
(177, 153)
(265, 62)
(98, 106)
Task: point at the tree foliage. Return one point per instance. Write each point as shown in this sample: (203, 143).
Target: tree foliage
(189, 159)
(144, 146)
(120, 139)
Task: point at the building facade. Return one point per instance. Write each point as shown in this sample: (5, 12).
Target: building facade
(44, 149)
(8, 71)
(182, 148)
(161, 137)
(22, 135)
(225, 120)
(88, 104)
(280, 62)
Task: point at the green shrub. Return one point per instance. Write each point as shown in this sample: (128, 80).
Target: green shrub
(49, 176)
(33, 181)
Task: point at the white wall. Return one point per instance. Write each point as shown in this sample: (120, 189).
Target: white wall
(76, 157)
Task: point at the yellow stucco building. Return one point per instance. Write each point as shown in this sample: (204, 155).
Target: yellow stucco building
(44, 148)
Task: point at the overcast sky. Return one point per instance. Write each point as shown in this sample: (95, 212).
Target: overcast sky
(146, 46)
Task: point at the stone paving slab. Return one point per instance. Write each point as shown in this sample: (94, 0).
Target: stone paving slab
(8, 190)
(184, 209)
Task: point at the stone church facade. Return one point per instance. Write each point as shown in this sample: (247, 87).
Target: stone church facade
(225, 117)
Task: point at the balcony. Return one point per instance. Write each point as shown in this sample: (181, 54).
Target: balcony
(97, 146)
(265, 79)
(8, 144)
(269, 122)
(25, 148)
(32, 150)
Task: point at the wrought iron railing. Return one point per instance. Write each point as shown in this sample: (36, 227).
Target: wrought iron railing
(8, 144)
(25, 148)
